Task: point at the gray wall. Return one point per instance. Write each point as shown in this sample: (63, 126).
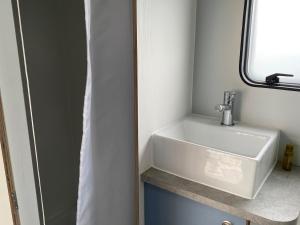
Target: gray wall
(216, 69)
(54, 39)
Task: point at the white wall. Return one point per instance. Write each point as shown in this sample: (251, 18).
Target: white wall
(166, 30)
(15, 118)
(5, 210)
(219, 25)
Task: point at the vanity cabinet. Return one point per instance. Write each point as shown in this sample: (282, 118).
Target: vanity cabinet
(166, 208)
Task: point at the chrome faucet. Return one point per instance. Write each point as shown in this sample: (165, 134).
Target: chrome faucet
(227, 108)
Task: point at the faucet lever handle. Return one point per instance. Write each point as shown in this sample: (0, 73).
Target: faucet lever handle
(233, 93)
(229, 96)
(230, 93)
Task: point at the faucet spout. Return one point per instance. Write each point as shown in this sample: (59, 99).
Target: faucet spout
(222, 107)
(227, 108)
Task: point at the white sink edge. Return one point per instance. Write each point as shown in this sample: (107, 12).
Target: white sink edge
(257, 158)
(238, 125)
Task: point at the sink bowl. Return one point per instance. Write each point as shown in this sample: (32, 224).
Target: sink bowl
(235, 159)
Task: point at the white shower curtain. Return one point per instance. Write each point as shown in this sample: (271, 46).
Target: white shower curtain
(106, 183)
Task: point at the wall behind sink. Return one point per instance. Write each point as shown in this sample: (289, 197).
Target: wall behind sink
(216, 69)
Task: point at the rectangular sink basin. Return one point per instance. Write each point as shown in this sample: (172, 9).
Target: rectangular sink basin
(235, 159)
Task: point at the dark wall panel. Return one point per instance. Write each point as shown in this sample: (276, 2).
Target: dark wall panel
(55, 48)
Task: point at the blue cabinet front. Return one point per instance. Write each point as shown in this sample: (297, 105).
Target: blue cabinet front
(166, 208)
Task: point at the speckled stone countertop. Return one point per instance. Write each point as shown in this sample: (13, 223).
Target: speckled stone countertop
(277, 203)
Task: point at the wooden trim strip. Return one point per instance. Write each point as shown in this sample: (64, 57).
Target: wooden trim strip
(8, 168)
(135, 109)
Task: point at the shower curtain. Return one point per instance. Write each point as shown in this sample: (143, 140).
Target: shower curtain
(106, 183)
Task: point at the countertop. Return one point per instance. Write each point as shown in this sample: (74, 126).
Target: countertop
(277, 203)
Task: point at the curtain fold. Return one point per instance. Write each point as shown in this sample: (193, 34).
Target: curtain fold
(106, 183)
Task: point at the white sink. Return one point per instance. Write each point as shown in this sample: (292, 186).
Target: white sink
(234, 159)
